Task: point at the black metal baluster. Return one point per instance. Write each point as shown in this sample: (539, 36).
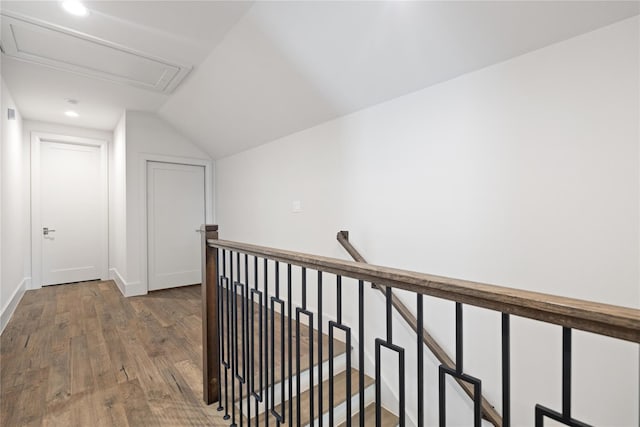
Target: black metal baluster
(377, 356)
(276, 300)
(279, 416)
(402, 399)
(378, 387)
(241, 372)
(245, 362)
(226, 334)
(273, 323)
(331, 399)
(319, 349)
(304, 288)
(389, 345)
(459, 340)
(256, 291)
(361, 372)
(566, 373)
(348, 344)
(442, 399)
(219, 308)
(401, 383)
(266, 342)
(257, 396)
(348, 385)
(389, 300)
(339, 298)
(290, 342)
(347, 331)
(420, 347)
(458, 373)
(273, 369)
(233, 343)
(302, 311)
(506, 371)
(310, 316)
(243, 317)
(565, 416)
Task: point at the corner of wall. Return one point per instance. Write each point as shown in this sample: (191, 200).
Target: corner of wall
(135, 288)
(117, 204)
(119, 281)
(150, 138)
(130, 289)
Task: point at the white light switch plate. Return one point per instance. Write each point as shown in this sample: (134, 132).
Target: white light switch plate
(296, 206)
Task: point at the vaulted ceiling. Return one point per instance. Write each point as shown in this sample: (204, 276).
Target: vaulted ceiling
(176, 33)
(233, 75)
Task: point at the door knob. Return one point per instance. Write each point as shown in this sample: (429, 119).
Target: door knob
(47, 230)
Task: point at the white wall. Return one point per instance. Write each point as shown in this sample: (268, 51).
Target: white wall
(117, 205)
(136, 136)
(14, 222)
(525, 174)
(147, 136)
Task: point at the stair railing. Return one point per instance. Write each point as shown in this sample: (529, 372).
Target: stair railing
(488, 411)
(244, 363)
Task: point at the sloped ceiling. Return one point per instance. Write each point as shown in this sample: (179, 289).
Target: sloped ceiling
(288, 66)
(265, 70)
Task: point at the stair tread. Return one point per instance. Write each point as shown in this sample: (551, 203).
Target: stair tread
(388, 419)
(339, 346)
(339, 393)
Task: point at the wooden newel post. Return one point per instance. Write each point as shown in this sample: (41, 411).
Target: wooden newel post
(210, 327)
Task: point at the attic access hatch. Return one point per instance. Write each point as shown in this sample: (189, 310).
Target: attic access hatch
(49, 45)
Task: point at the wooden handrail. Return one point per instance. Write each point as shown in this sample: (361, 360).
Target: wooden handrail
(604, 319)
(488, 410)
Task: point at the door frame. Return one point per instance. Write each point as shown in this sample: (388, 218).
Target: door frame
(37, 138)
(145, 158)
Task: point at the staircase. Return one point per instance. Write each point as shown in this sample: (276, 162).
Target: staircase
(268, 361)
(332, 411)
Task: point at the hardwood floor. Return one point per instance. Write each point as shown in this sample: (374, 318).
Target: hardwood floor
(83, 355)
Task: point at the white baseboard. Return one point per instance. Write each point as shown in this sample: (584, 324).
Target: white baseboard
(135, 289)
(127, 289)
(116, 277)
(10, 306)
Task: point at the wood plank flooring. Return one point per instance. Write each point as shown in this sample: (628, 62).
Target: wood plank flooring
(83, 355)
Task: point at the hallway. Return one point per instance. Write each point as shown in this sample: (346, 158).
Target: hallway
(82, 354)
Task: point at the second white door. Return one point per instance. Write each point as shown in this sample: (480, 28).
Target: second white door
(175, 211)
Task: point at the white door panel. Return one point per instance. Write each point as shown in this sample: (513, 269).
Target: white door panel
(175, 210)
(71, 200)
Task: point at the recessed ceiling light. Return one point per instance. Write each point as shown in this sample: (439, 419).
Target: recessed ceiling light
(75, 7)
(71, 113)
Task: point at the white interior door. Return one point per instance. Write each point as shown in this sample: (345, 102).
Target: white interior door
(71, 203)
(175, 212)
